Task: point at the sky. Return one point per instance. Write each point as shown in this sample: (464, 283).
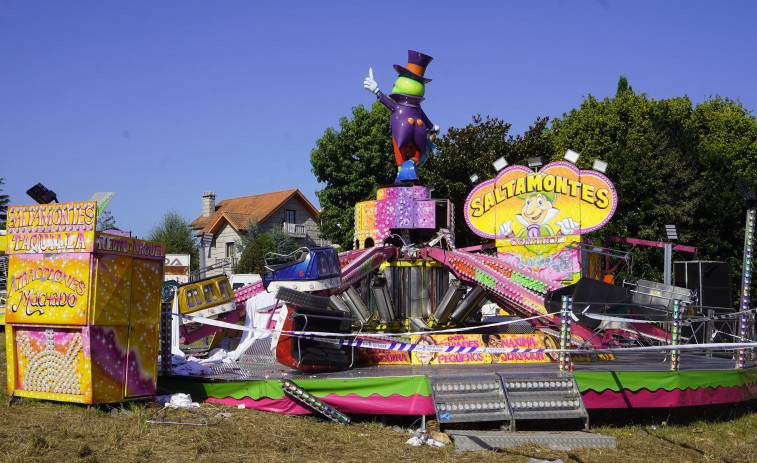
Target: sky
(161, 100)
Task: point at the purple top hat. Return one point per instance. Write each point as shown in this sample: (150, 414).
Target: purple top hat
(416, 66)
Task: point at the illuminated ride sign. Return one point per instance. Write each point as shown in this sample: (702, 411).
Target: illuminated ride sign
(535, 215)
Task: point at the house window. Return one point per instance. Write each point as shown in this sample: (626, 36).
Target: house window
(231, 250)
(291, 215)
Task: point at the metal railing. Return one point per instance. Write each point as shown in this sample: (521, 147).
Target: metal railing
(225, 264)
(294, 229)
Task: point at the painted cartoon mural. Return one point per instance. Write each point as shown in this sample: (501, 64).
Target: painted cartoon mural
(535, 216)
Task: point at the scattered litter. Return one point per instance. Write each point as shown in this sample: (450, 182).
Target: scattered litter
(188, 366)
(421, 437)
(114, 412)
(218, 355)
(192, 367)
(415, 442)
(179, 409)
(178, 400)
(440, 437)
(241, 406)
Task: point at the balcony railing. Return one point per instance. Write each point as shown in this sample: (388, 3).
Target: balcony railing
(296, 230)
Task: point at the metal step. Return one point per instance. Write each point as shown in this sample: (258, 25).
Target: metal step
(467, 398)
(503, 399)
(487, 440)
(544, 396)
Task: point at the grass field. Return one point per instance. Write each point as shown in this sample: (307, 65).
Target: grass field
(39, 431)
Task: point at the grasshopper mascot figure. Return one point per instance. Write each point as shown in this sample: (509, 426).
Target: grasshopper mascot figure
(411, 128)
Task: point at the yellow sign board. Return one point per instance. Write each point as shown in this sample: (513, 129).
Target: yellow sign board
(536, 207)
(51, 228)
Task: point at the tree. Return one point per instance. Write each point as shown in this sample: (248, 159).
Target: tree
(471, 150)
(671, 163)
(623, 86)
(248, 237)
(252, 259)
(106, 221)
(176, 234)
(352, 163)
(4, 201)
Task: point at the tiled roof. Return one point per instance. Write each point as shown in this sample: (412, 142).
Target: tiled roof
(240, 212)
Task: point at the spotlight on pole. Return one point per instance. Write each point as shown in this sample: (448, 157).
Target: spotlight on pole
(41, 194)
(599, 165)
(571, 156)
(536, 162)
(671, 232)
(500, 164)
(474, 179)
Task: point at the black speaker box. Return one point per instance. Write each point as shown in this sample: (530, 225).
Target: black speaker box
(711, 280)
(590, 296)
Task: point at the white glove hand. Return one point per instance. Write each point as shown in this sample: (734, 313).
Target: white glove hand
(435, 129)
(506, 229)
(568, 226)
(371, 84)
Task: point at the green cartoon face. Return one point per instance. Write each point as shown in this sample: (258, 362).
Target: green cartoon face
(407, 86)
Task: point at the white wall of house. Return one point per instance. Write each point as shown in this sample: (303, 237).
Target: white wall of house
(308, 235)
(224, 245)
(226, 240)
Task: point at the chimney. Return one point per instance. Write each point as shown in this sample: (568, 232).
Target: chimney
(208, 203)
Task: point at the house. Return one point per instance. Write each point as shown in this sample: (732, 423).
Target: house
(227, 221)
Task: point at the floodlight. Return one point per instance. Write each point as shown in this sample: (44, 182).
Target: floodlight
(102, 198)
(474, 178)
(599, 165)
(41, 194)
(536, 162)
(571, 156)
(500, 164)
(672, 232)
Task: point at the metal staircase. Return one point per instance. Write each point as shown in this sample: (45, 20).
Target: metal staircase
(492, 404)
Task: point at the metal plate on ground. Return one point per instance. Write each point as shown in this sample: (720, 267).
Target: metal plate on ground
(486, 440)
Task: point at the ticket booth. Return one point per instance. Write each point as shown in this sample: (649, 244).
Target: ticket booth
(83, 307)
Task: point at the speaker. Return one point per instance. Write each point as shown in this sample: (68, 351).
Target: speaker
(711, 280)
(307, 354)
(590, 296)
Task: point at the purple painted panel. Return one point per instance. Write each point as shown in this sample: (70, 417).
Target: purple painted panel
(425, 214)
(403, 213)
(421, 192)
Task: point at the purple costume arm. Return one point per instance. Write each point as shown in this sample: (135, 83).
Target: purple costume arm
(386, 101)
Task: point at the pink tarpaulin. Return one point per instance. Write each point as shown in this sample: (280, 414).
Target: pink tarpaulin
(661, 398)
(375, 404)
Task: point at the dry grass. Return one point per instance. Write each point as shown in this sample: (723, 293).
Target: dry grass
(45, 431)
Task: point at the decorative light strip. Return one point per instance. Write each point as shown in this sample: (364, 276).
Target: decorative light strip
(565, 335)
(746, 283)
(545, 404)
(471, 406)
(312, 402)
(66, 217)
(675, 332)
